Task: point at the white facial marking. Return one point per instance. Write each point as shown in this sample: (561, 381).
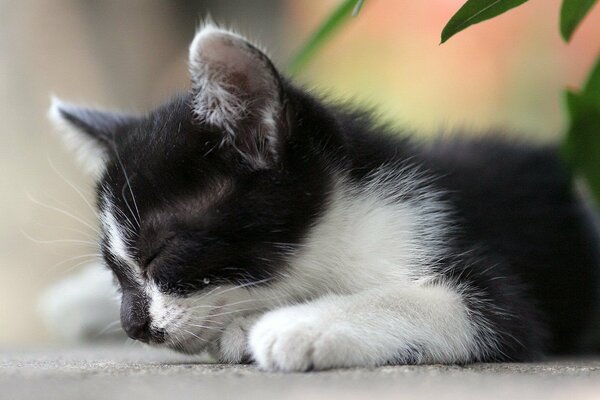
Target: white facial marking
(116, 237)
(192, 322)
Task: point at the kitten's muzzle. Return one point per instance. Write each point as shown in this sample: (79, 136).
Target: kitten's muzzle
(145, 334)
(135, 318)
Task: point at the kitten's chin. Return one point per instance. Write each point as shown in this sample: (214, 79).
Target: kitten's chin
(188, 347)
(188, 344)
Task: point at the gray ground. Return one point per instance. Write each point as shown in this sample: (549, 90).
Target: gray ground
(133, 372)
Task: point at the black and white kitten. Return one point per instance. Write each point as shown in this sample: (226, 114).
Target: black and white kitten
(252, 220)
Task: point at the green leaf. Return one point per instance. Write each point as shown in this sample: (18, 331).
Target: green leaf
(592, 86)
(568, 146)
(581, 145)
(475, 11)
(335, 20)
(357, 7)
(571, 14)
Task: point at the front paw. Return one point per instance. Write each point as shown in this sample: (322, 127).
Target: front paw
(232, 346)
(287, 340)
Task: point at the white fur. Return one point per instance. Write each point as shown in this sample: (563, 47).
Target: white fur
(116, 236)
(219, 316)
(84, 306)
(368, 265)
(232, 346)
(371, 235)
(89, 153)
(369, 328)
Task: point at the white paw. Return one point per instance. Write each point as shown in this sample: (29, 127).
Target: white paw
(232, 346)
(291, 339)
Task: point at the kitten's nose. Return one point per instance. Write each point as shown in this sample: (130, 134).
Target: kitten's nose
(144, 333)
(135, 318)
(138, 331)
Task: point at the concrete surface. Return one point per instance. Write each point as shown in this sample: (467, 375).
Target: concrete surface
(133, 372)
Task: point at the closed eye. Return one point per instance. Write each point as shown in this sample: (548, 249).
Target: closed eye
(153, 256)
(154, 251)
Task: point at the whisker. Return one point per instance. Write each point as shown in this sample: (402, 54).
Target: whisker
(125, 186)
(61, 211)
(128, 225)
(179, 344)
(88, 235)
(55, 241)
(241, 286)
(214, 328)
(72, 267)
(128, 184)
(232, 304)
(72, 185)
(89, 256)
(229, 312)
(196, 336)
(107, 327)
(77, 265)
(114, 330)
(207, 294)
(80, 232)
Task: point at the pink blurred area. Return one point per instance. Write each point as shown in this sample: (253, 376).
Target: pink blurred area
(507, 72)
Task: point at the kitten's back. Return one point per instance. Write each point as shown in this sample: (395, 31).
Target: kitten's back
(518, 201)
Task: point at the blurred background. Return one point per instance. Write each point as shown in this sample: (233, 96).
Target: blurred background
(508, 72)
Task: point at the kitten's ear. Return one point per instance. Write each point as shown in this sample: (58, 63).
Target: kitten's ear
(87, 131)
(236, 88)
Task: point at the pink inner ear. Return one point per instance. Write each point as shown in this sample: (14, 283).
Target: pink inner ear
(231, 60)
(236, 88)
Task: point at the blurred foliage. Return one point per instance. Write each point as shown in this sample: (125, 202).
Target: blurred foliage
(571, 14)
(581, 146)
(333, 22)
(581, 143)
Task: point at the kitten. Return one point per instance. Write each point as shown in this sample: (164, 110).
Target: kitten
(250, 219)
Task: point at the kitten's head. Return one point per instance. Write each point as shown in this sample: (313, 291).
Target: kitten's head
(202, 200)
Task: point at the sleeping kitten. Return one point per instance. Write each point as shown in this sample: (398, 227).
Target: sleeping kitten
(250, 219)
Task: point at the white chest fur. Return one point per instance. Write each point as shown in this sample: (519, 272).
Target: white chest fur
(391, 230)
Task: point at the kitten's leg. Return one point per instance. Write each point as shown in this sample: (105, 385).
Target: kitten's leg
(84, 306)
(417, 324)
(232, 346)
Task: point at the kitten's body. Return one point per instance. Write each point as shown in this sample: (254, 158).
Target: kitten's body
(252, 220)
